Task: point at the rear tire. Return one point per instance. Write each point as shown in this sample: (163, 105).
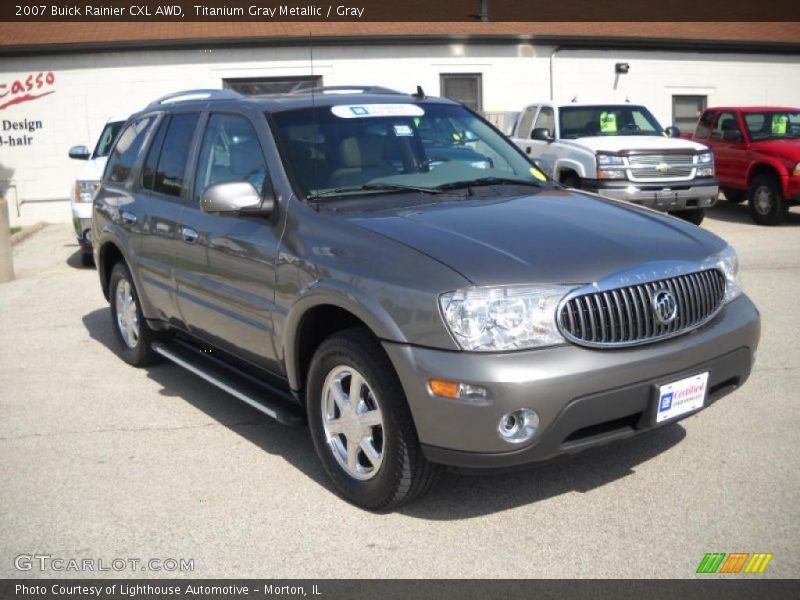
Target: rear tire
(375, 420)
(767, 206)
(692, 216)
(130, 327)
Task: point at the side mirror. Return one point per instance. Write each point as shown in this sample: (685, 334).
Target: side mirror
(731, 135)
(234, 197)
(79, 153)
(543, 134)
(673, 131)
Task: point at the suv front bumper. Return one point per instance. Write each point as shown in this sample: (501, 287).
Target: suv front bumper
(697, 193)
(584, 397)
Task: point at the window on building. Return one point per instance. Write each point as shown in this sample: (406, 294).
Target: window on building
(230, 152)
(686, 110)
(127, 149)
(466, 88)
(169, 177)
(253, 86)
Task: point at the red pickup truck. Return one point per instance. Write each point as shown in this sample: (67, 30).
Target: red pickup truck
(756, 155)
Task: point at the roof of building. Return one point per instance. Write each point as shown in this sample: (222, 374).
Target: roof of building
(48, 37)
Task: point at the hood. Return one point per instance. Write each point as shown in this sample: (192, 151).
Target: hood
(789, 150)
(612, 143)
(556, 236)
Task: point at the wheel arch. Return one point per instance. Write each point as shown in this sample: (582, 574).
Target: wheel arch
(320, 313)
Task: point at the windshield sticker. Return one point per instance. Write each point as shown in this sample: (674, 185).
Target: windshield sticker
(608, 122)
(403, 130)
(779, 123)
(360, 111)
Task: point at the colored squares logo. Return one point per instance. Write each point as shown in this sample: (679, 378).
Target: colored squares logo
(736, 562)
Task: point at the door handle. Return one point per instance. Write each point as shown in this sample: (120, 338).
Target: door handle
(189, 235)
(128, 218)
(528, 150)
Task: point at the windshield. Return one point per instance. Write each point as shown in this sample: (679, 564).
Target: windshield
(368, 149)
(607, 120)
(772, 125)
(106, 141)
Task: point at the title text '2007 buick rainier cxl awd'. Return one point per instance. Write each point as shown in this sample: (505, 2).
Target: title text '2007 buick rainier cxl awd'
(393, 269)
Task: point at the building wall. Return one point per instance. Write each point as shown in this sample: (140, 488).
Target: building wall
(88, 89)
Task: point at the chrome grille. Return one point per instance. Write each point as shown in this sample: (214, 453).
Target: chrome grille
(626, 316)
(659, 166)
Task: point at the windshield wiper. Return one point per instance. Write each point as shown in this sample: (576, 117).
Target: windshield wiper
(487, 181)
(387, 187)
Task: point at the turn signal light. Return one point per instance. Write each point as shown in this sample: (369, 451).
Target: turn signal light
(457, 391)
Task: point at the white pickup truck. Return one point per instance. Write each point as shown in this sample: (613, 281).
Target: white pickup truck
(619, 151)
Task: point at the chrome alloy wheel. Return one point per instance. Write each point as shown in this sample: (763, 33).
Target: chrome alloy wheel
(353, 423)
(127, 315)
(763, 200)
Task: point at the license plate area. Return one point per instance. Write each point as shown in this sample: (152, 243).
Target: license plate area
(666, 198)
(681, 397)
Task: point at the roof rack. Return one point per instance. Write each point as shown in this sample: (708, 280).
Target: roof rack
(343, 89)
(188, 95)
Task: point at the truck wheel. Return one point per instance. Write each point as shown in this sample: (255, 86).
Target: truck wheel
(87, 259)
(130, 327)
(734, 196)
(572, 181)
(361, 425)
(767, 206)
(692, 216)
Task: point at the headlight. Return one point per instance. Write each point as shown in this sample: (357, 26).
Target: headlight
(728, 262)
(507, 318)
(84, 190)
(705, 164)
(609, 160)
(610, 167)
(796, 171)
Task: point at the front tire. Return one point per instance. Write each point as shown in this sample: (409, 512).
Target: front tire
(132, 333)
(767, 206)
(87, 260)
(734, 196)
(361, 424)
(692, 216)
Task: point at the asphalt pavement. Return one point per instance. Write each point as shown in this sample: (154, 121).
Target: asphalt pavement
(102, 461)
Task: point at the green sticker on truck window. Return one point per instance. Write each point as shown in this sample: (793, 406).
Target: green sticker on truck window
(779, 123)
(608, 122)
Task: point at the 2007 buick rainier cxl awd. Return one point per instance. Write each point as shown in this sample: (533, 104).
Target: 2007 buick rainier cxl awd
(393, 269)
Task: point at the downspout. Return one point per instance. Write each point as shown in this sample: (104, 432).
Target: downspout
(552, 70)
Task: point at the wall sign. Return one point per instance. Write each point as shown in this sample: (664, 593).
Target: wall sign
(25, 89)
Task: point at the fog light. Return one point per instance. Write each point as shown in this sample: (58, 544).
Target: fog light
(518, 426)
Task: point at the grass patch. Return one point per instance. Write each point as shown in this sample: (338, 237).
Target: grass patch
(15, 230)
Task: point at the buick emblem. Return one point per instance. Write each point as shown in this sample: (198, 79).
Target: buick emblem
(665, 307)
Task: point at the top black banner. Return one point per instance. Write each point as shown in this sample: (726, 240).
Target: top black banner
(406, 10)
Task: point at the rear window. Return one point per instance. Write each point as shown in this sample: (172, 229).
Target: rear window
(771, 125)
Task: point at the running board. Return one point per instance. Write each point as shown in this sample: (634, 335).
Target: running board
(261, 396)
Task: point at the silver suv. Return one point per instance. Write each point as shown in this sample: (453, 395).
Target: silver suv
(394, 270)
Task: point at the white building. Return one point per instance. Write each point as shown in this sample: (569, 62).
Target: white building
(59, 83)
